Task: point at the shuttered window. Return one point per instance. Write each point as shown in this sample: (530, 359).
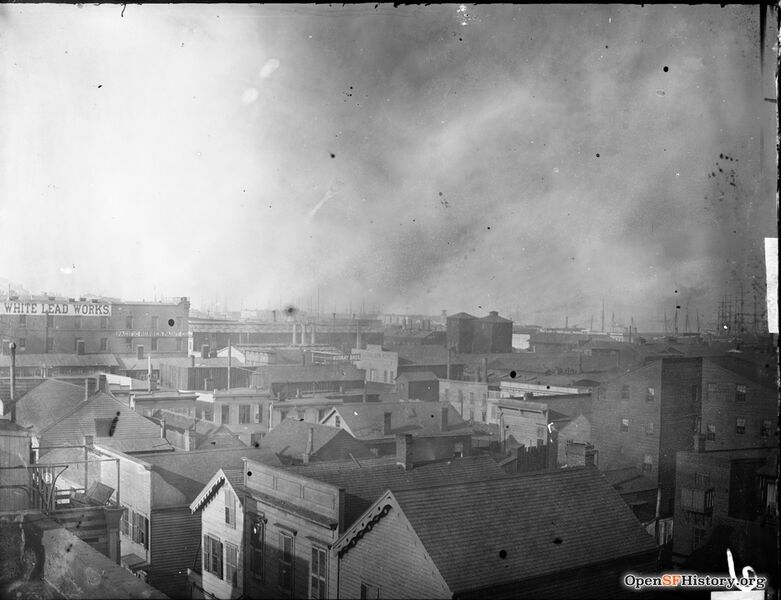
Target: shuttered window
(318, 570)
(231, 564)
(212, 556)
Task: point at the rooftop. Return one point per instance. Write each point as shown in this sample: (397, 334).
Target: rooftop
(56, 360)
(290, 438)
(47, 402)
(367, 420)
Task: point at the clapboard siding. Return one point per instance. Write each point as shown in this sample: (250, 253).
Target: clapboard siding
(175, 540)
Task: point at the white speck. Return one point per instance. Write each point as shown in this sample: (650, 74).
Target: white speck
(610, 19)
(249, 96)
(197, 154)
(555, 169)
(677, 174)
(272, 64)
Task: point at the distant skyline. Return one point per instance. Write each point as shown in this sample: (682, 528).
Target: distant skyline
(530, 158)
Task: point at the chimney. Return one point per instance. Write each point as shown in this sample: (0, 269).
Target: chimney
(699, 442)
(590, 456)
(404, 450)
(80, 347)
(192, 360)
(493, 313)
(310, 445)
(140, 352)
(444, 418)
(386, 423)
(205, 351)
(102, 383)
(162, 427)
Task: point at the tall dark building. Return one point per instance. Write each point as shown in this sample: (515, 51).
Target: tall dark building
(460, 332)
(492, 334)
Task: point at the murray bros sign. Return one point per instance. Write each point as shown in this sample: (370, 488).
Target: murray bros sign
(100, 309)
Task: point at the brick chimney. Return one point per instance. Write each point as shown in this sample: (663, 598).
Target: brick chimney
(386, 423)
(404, 450)
(310, 445)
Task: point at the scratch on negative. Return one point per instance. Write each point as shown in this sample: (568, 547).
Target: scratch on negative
(122, 14)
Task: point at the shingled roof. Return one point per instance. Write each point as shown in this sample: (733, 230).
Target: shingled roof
(104, 416)
(47, 402)
(491, 533)
(291, 436)
(364, 481)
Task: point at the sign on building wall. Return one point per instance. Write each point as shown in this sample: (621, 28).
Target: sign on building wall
(95, 309)
(150, 334)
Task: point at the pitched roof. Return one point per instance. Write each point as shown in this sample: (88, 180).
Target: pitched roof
(461, 315)
(47, 402)
(364, 481)
(190, 471)
(307, 373)
(101, 415)
(424, 355)
(629, 480)
(520, 527)
(494, 317)
(291, 436)
(366, 420)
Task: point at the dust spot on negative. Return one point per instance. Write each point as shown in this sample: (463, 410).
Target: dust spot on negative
(502, 554)
(291, 310)
(171, 322)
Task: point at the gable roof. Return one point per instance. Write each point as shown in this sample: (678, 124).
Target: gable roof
(101, 416)
(48, 402)
(190, 471)
(291, 436)
(365, 480)
(543, 523)
(232, 477)
(365, 420)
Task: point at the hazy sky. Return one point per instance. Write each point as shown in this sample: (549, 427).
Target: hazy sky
(459, 157)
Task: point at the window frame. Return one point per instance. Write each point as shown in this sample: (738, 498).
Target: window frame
(741, 393)
(245, 414)
(624, 425)
(285, 579)
(765, 426)
(650, 394)
(321, 577)
(740, 425)
(212, 555)
(710, 432)
(231, 569)
(230, 507)
(256, 546)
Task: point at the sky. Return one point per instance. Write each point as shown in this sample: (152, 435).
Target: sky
(538, 160)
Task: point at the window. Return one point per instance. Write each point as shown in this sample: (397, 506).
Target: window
(208, 414)
(318, 570)
(285, 576)
(710, 433)
(231, 564)
(129, 322)
(698, 537)
(22, 343)
(257, 533)
(153, 344)
(141, 530)
(49, 345)
(124, 524)
(129, 342)
(740, 393)
(471, 414)
(649, 428)
(179, 345)
(373, 375)
(155, 323)
(369, 592)
(22, 320)
(77, 322)
(624, 392)
(104, 322)
(702, 479)
(245, 415)
(337, 421)
(764, 429)
(230, 508)
(650, 395)
(624, 424)
(648, 463)
(103, 344)
(695, 392)
(49, 320)
(740, 425)
(712, 389)
(458, 450)
(225, 413)
(212, 556)
(483, 416)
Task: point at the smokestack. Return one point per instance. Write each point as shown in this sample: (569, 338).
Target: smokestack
(386, 423)
(12, 346)
(140, 352)
(205, 351)
(444, 422)
(404, 450)
(310, 445)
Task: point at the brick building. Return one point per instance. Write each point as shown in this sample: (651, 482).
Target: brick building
(460, 332)
(91, 326)
(492, 334)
